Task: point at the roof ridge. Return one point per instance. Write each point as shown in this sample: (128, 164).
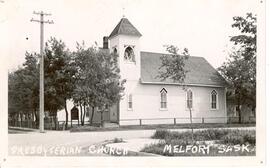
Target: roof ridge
(171, 54)
(119, 24)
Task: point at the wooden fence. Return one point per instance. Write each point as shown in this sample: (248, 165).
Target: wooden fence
(60, 125)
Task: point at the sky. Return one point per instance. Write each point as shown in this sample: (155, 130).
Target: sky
(202, 26)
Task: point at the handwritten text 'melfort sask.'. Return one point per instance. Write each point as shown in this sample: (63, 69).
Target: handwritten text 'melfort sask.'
(205, 149)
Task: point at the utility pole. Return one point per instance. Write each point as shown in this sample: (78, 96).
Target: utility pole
(41, 81)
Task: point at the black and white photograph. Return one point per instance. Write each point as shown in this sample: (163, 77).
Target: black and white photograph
(103, 80)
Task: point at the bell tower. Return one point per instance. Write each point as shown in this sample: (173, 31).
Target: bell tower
(125, 41)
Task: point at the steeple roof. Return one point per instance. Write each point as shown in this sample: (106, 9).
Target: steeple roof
(126, 28)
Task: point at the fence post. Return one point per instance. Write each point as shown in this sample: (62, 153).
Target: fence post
(51, 123)
(64, 123)
(174, 121)
(140, 122)
(203, 120)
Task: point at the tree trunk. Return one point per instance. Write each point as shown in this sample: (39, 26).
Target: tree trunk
(81, 110)
(66, 124)
(28, 120)
(21, 118)
(83, 114)
(36, 119)
(191, 124)
(33, 115)
(84, 111)
(239, 115)
(254, 110)
(32, 119)
(101, 117)
(55, 120)
(239, 109)
(92, 115)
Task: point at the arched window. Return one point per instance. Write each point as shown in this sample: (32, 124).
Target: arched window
(130, 105)
(115, 51)
(189, 99)
(213, 99)
(129, 54)
(163, 99)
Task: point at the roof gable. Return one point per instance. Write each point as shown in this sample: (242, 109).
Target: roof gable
(200, 72)
(126, 28)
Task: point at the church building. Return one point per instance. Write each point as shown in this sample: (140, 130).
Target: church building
(150, 100)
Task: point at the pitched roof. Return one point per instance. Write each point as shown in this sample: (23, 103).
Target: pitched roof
(200, 71)
(126, 28)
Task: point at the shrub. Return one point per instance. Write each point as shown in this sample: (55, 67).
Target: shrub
(233, 139)
(161, 134)
(210, 134)
(177, 135)
(240, 137)
(201, 135)
(117, 140)
(182, 142)
(250, 138)
(227, 136)
(156, 149)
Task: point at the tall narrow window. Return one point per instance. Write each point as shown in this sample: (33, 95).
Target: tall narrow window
(163, 98)
(213, 99)
(189, 99)
(130, 105)
(115, 51)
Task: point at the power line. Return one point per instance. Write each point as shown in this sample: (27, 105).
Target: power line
(41, 92)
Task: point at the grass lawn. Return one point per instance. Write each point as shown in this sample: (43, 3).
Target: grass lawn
(160, 126)
(210, 142)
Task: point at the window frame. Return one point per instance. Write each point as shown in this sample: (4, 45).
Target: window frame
(133, 58)
(163, 105)
(211, 100)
